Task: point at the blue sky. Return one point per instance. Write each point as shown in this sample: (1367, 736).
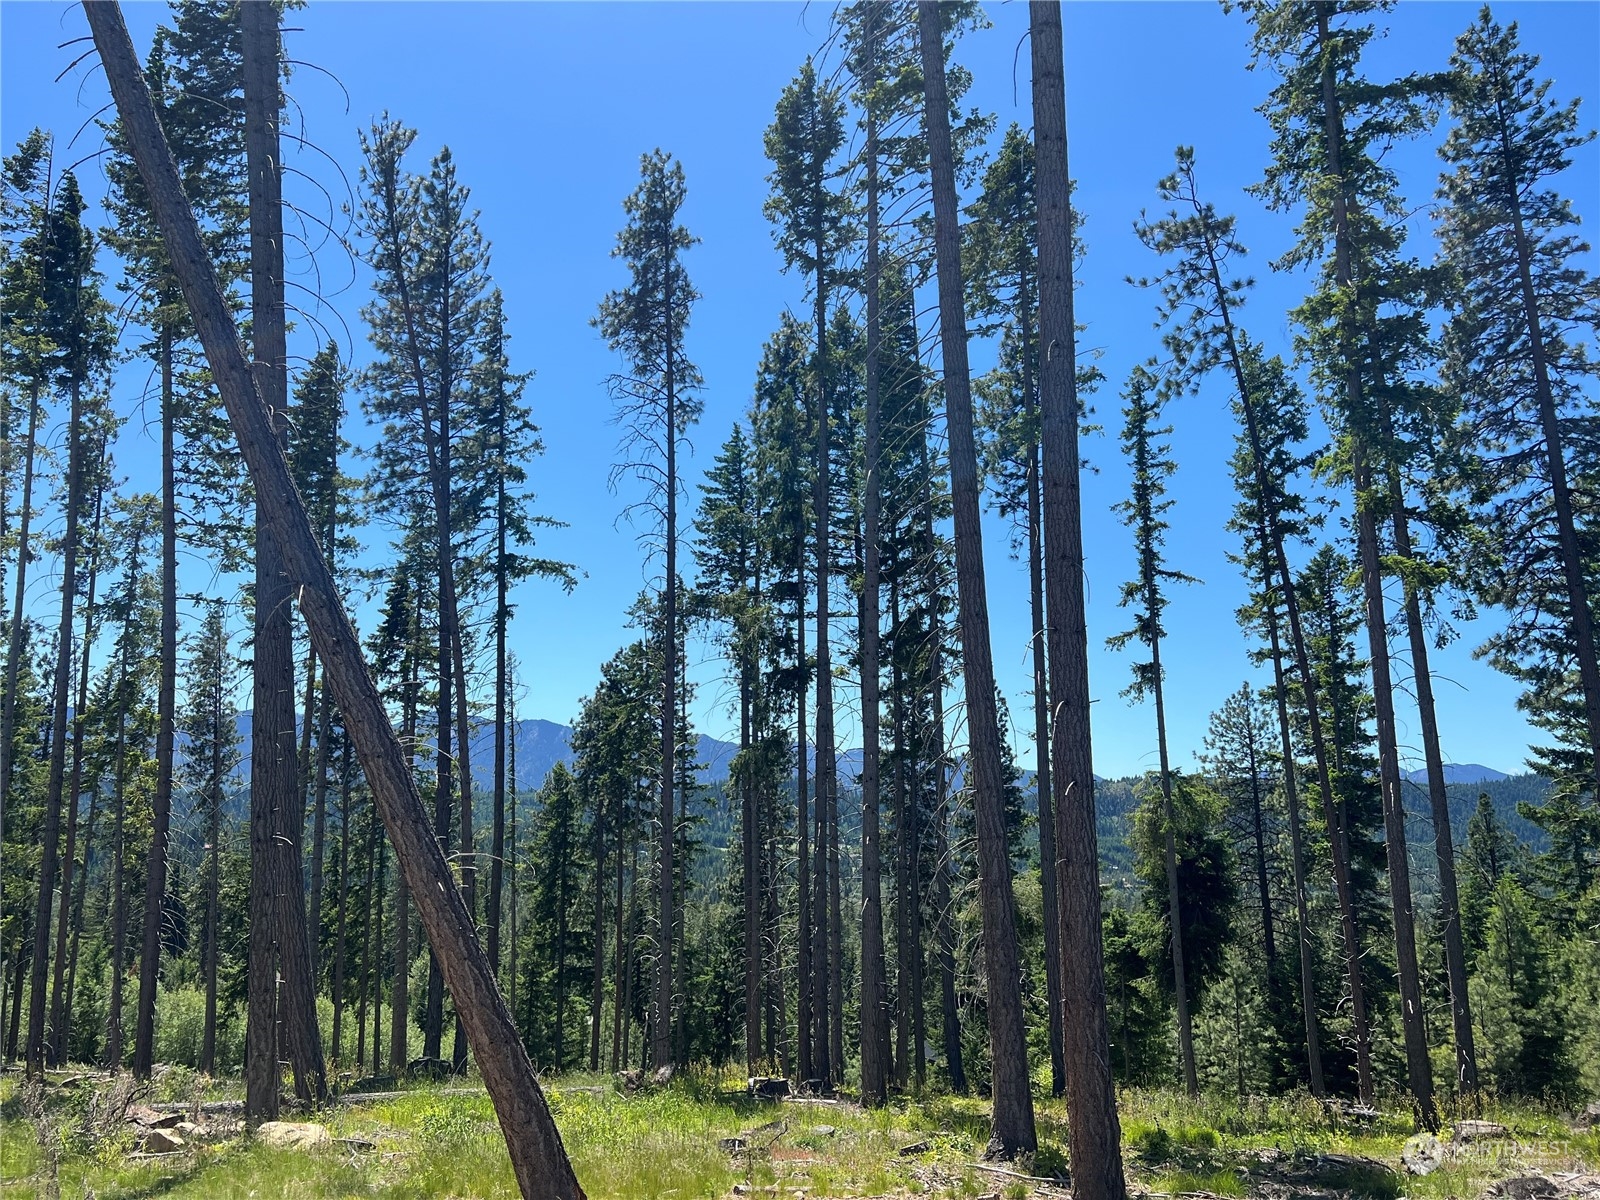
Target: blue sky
(547, 108)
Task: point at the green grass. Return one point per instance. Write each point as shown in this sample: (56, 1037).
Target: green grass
(664, 1144)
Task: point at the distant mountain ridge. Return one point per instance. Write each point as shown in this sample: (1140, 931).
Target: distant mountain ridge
(1460, 773)
(539, 745)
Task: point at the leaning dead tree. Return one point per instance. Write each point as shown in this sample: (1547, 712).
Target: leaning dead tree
(537, 1156)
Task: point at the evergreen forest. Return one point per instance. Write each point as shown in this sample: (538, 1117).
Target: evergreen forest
(264, 832)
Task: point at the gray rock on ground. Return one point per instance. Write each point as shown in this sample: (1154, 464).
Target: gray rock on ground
(293, 1135)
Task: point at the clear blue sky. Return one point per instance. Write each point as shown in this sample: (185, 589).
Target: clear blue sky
(547, 108)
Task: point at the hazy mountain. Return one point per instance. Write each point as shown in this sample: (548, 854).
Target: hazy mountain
(1461, 773)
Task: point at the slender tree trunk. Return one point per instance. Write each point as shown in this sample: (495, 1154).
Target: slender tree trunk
(61, 697)
(155, 886)
(1418, 1070)
(875, 1066)
(537, 1157)
(751, 889)
(905, 895)
(377, 942)
(1259, 832)
(1439, 803)
(209, 939)
(8, 707)
(803, 833)
(119, 897)
(319, 832)
(69, 914)
(497, 846)
(945, 933)
(400, 986)
(661, 1044)
(597, 984)
(1012, 1131)
(1180, 982)
(340, 944)
(469, 869)
(827, 766)
(1094, 1134)
(1041, 741)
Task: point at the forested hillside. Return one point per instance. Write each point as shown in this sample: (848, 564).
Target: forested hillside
(275, 795)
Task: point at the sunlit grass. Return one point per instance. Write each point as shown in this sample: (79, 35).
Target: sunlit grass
(443, 1141)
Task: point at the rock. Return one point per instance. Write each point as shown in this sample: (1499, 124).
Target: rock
(191, 1131)
(733, 1145)
(430, 1068)
(149, 1118)
(824, 1130)
(160, 1141)
(293, 1135)
(766, 1087)
(1525, 1187)
(1589, 1118)
(631, 1080)
(914, 1148)
(662, 1077)
(1422, 1155)
(1473, 1131)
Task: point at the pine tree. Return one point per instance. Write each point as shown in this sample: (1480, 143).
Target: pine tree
(1142, 512)
(811, 227)
(1329, 125)
(1517, 997)
(81, 339)
(645, 323)
(1510, 237)
(212, 757)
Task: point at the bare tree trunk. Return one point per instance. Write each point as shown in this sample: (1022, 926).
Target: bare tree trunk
(8, 707)
(1439, 803)
(803, 966)
(61, 696)
(1094, 1134)
(875, 1066)
(1012, 1131)
(340, 944)
(827, 782)
(219, 713)
(69, 915)
(751, 884)
(537, 1157)
(597, 986)
(319, 831)
(276, 827)
(155, 886)
(661, 1044)
(119, 900)
(950, 1014)
(1180, 983)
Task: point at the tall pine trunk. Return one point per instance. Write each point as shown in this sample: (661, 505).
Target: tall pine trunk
(1094, 1134)
(1012, 1130)
(277, 909)
(875, 1067)
(1418, 1069)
